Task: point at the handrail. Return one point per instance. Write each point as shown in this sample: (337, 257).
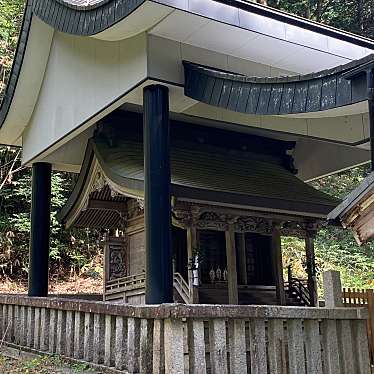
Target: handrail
(300, 288)
(182, 287)
(137, 281)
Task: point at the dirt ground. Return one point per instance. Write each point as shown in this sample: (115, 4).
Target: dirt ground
(71, 286)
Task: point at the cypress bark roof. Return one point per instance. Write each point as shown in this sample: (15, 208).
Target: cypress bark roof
(212, 177)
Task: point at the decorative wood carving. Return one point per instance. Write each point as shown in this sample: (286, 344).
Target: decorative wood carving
(207, 217)
(254, 224)
(117, 259)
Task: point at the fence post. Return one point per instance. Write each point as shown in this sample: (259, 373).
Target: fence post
(332, 289)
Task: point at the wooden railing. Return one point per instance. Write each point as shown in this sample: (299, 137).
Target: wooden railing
(353, 297)
(179, 339)
(181, 286)
(298, 289)
(123, 288)
(134, 285)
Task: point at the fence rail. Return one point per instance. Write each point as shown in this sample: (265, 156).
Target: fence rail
(178, 339)
(354, 297)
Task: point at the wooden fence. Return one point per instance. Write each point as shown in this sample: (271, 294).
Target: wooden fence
(196, 339)
(353, 297)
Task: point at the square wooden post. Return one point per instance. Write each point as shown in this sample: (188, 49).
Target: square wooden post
(242, 259)
(231, 266)
(311, 270)
(278, 265)
(191, 246)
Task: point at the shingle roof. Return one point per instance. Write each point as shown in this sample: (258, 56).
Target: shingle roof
(205, 175)
(313, 92)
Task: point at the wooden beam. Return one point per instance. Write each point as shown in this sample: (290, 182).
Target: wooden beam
(231, 266)
(311, 270)
(278, 265)
(191, 246)
(242, 259)
(118, 206)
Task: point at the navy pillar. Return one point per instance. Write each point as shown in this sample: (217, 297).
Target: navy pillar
(157, 206)
(40, 229)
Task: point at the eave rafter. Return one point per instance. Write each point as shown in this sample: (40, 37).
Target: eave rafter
(328, 89)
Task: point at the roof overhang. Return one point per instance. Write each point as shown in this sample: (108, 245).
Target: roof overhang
(356, 212)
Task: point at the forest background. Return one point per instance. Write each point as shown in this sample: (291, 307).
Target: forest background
(78, 253)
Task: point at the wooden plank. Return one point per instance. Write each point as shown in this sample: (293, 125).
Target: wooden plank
(37, 328)
(296, 346)
(78, 334)
(331, 357)
(276, 347)
(10, 324)
(173, 343)
(237, 344)
(313, 347)
(30, 327)
(158, 346)
(133, 342)
(361, 346)
(121, 343)
(88, 337)
(69, 336)
(22, 337)
(16, 324)
(44, 329)
(196, 346)
(108, 340)
(232, 281)
(344, 328)
(217, 345)
(257, 342)
(60, 341)
(52, 330)
(146, 345)
(98, 333)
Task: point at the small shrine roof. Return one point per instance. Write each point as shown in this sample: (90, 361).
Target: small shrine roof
(207, 175)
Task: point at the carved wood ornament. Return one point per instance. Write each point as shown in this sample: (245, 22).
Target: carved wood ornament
(213, 218)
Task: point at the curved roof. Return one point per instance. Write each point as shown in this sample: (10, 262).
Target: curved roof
(314, 92)
(205, 175)
(90, 17)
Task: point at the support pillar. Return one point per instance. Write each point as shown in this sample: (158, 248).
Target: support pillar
(231, 266)
(311, 270)
(242, 259)
(157, 205)
(278, 265)
(192, 272)
(40, 229)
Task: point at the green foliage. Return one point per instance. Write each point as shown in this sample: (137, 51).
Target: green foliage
(11, 13)
(76, 251)
(351, 15)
